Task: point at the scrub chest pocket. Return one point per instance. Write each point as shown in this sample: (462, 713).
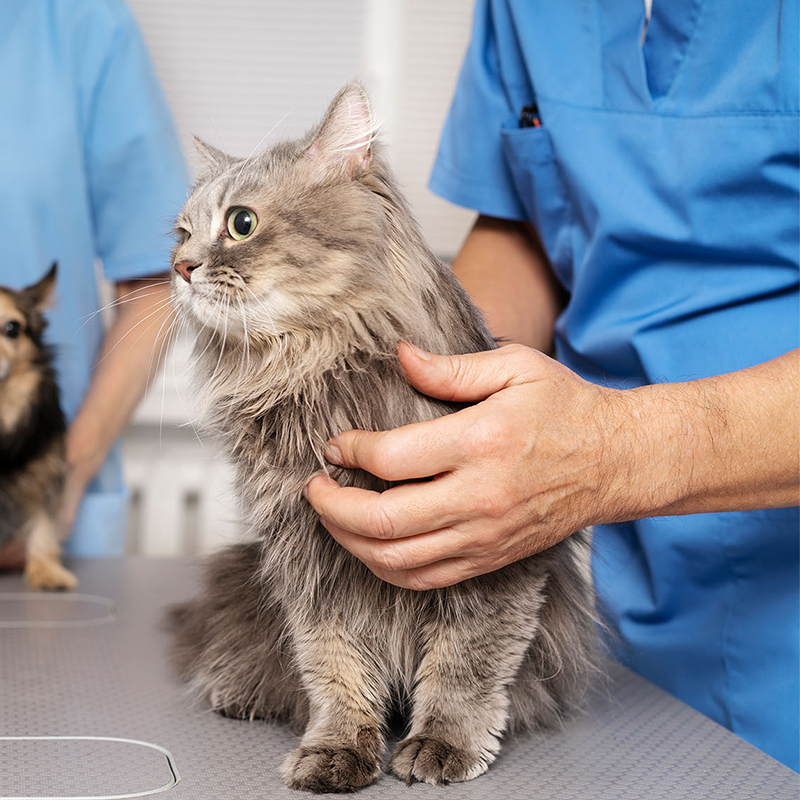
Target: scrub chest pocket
(537, 179)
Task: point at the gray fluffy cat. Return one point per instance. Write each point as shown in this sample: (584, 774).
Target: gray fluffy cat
(300, 270)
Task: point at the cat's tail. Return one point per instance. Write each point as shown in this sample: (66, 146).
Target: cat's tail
(178, 616)
(228, 642)
(193, 623)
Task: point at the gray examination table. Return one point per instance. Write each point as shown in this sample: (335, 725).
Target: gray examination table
(89, 670)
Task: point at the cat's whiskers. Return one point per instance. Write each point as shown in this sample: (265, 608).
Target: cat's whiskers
(159, 309)
(212, 337)
(262, 140)
(246, 333)
(224, 339)
(150, 289)
(177, 330)
(241, 373)
(278, 342)
(209, 333)
(166, 344)
(162, 343)
(261, 303)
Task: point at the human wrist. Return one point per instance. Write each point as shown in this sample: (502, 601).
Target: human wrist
(652, 444)
(679, 451)
(723, 443)
(84, 453)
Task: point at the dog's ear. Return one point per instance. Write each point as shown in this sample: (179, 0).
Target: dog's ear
(38, 295)
(35, 299)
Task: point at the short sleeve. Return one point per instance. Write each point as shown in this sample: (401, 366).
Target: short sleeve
(136, 175)
(470, 169)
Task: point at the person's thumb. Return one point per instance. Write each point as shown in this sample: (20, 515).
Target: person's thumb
(471, 377)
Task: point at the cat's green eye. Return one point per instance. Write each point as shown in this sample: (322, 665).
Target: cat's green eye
(241, 222)
(183, 235)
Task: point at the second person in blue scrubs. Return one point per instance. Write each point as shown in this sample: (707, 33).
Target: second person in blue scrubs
(90, 171)
(639, 217)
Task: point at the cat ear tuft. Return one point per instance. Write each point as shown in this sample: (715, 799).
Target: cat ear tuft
(213, 158)
(342, 145)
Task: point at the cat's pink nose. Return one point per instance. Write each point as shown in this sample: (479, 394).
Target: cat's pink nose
(185, 270)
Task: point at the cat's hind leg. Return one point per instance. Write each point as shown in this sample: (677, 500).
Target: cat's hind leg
(229, 643)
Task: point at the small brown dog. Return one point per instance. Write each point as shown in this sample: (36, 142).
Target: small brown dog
(32, 433)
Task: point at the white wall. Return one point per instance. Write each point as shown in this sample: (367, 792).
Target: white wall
(234, 71)
(243, 75)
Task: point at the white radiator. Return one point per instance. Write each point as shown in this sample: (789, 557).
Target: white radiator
(181, 502)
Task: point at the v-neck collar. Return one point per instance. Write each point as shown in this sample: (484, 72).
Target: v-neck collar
(639, 77)
(669, 34)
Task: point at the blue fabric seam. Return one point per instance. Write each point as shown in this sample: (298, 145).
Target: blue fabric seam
(657, 113)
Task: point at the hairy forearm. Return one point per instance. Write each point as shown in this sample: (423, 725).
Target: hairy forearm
(128, 360)
(726, 443)
(503, 268)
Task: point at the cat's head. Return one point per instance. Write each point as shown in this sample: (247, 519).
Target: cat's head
(290, 239)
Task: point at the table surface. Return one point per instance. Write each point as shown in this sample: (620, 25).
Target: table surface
(81, 666)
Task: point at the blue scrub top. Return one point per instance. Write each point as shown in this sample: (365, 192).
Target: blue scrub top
(90, 169)
(663, 180)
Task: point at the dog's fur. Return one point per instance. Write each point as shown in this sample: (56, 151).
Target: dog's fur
(32, 430)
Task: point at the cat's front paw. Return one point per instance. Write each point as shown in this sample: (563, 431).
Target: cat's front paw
(436, 761)
(328, 768)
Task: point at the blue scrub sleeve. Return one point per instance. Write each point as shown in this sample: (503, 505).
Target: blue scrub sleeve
(136, 173)
(470, 169)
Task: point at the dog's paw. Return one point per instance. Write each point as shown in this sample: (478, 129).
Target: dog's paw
(48, 575)
(433, 760)
(331, 768)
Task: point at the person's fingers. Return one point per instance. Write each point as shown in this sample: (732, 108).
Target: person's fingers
(419, 450)
(470, 377)
(402, 555)
(436, 575)
(400, 511)
(429, 448)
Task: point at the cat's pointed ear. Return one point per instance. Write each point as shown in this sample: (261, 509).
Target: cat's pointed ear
(213, 158)
(342, 145)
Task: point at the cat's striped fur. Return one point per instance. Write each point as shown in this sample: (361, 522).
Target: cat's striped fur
(297, 327)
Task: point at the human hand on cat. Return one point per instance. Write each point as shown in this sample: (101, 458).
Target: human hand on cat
(511, 476)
